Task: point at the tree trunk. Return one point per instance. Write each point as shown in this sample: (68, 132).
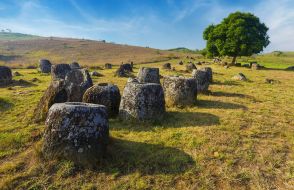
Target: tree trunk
(234, 60)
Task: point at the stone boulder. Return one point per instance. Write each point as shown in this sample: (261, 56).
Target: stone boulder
(240, 76)
(166, 66)
(75, 65)
(77, 81)
(202, 80)
(291, 68)
(127, 67)
(142, 101)
(181, 63)
(59, 71)
(78, 132)
(45, 65)
(5, 75)
(179, 91)
(16, 74)
(55, 93)
(190, 66)
(209, 73)
(148, 75)
(71, 89)
(105, 94)
(108, 66)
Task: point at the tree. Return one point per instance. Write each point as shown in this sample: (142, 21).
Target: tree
(240, 34)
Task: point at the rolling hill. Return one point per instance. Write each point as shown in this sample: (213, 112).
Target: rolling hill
(20, 49)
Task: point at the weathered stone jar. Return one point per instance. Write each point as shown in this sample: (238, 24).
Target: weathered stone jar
(190, 66)
(105, 94)
(59, 71)
(179, 91)
(202, 80)
(142, 101)
(209, 74)
(75, 65)
(76, 131)
(45, 66)
(5, 75)
(148, 75)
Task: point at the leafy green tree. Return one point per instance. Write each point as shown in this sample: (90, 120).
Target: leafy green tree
(240, 34)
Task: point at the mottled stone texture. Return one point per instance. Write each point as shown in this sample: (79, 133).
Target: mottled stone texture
(107, 66)
(77, 81)
(142, 101)
(55, 93)
(45, 66)
(148, 75)
(71, 89)
(127, 67)
(209, 73)
(179, 91)
(202, 80)
(190, 66)
(240, 76)
(76, 131)
(166, 66)
(75, 65)
(5, 75)
(104, 94)
(124, 70)
(59, 71)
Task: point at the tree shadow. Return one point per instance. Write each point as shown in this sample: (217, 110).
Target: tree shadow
(5, 105)
(227, 82)
(20, 82)
(172, 119)
(219, 105)
(232, 95)
(124, 157)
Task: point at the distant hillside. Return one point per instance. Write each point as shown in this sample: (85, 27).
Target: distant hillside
(16, 36)
(184, 50)
(22, 49)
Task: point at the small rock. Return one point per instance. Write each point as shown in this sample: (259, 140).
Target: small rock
(96, 74)
(166, 66)
(17, 74)
(5, 75)
(240, 76)
(45, 65)
(202, 80)
(190, 66)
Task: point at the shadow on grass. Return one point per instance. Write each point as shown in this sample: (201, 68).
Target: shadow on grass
(21, 82)
(227, 82)
(170, 120)
(219, 105)
(125, 157)
(5, 105)
(227, 94)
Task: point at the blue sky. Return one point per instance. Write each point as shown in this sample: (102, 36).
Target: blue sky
(160, 24)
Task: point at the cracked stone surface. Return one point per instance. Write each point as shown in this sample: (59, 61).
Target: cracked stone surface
(142, 101)
(148, 75)
(76, 131)
(202, 80)
(179, 91)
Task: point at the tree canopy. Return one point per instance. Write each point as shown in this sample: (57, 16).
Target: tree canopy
(240, 34)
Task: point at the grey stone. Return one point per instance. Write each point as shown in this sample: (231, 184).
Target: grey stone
(105, 94)
(17, 74)
(190, 66)
(96, 74)
(240, 76)
(108, 66)
(179, 91)
(77, 81)
(181, 63)
(166, 66)
(209, 73)
(202, 80)
(5, 75)
(45, 65)
(148, 75)
(75, 65)
(59, 71)
(78, 132)
(142, 101)
(127, 67)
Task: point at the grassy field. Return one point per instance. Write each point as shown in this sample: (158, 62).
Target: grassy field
(239, 136)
